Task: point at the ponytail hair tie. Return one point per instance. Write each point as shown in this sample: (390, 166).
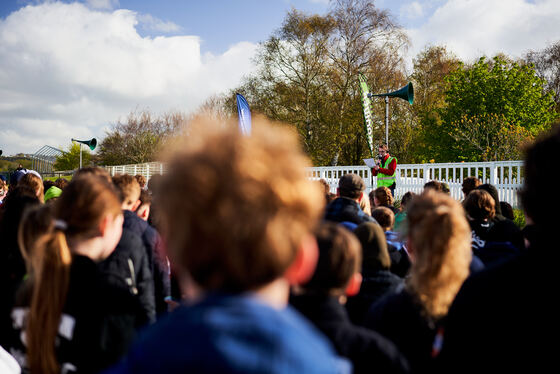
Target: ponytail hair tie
(60, 224)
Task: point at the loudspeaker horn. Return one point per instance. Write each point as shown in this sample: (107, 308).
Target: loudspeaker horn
(90, 143)
(405, 93)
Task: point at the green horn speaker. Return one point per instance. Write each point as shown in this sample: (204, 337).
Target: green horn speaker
(405, 93)
(90, 143)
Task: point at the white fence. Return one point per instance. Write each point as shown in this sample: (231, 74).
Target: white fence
(506, 176)
(147, 169)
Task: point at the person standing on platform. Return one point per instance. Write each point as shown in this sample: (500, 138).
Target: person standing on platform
(385, 169)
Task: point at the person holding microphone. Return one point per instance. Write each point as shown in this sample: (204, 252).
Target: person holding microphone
(384, 169)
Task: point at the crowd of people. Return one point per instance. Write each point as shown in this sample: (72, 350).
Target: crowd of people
(235, 262)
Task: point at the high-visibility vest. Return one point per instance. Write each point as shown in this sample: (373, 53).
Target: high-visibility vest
(384, 180)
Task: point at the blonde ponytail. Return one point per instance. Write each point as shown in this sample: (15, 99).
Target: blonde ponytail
(49, 296)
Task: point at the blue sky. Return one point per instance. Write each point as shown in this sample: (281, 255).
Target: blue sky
(70, 69)
(221, 23)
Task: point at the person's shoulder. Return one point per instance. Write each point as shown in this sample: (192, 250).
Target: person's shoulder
(232, 334)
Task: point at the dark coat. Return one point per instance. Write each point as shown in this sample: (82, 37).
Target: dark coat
(375, 285)
(496, 240)
(400, 261)
(399, 317)
(346, 210)
(158, 263)
(128, 269)
(503, 318)
(98, 322)
(368, 350)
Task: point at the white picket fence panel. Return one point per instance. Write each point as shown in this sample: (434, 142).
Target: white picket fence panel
(506, 176)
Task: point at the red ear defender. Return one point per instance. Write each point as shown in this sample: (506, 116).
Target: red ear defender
(302, 268)
(354, 285)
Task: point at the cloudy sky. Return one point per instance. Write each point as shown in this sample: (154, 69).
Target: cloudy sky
(71, 69)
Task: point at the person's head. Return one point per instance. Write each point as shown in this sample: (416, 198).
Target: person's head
(351, 186)
(251, 231)
(129, 190)
(35, 223)
(434, 185)
(479, 205)
(17, 201)
(87, 220)
(385, 217)
(47, 184)
(381, 196)
(469, 184)
(52, 194)
(375, 255)
(439, 243)
(507, 210)
(35, 183)
(383, 150)
(406, 199)
(538, 175)
(365, 204)
(340, 260)
(61, 183)
(327, 191)
(92, 170)
(141, 180)
(493, 191)
(143, 210)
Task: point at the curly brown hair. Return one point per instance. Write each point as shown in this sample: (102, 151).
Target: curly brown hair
(243, 234)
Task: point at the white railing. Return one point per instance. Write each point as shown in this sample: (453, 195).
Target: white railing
(506, 176)
(147, 169)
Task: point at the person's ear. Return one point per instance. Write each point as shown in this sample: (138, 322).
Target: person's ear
(354, 284)
(302, 268)
(143, 212)
(104, 224)
(135, 205)
(337, 191)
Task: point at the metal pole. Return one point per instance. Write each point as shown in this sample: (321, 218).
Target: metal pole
(387, 120)
(81, 155)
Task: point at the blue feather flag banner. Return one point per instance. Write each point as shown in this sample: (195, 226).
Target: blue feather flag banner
(368, 120)
(244, 114)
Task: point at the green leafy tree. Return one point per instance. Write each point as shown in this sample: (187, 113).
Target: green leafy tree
(70, 160)
(308, 76)
(492, 97)
(431, 67)
(139, 139)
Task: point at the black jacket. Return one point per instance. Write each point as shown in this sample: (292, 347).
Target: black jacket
(375, 285)
(97, 326)
(128, 268)
(158, 263)
(505, 318)
(399, 317)
(346, 210)
(369, 351)
(400, 261)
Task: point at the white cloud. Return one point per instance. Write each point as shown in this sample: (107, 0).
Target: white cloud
(412, 10)
(67, 71)
(152, 23)
(103, 4)
(472, 28)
